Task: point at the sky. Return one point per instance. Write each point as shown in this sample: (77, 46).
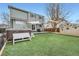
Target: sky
(40, 8)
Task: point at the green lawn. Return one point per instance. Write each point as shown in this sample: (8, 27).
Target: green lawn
(45, 45)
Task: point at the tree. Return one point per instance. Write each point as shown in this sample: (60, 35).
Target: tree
(5, 18)
(56, 13)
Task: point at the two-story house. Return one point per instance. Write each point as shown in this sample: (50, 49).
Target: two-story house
(21, 19)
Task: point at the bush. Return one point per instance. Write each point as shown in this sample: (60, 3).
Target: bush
(2, 30)
(67, 28)
(75, 27)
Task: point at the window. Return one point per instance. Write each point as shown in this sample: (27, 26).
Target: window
(40, 25)
(40, 17)
(32, 15)
(33, 27)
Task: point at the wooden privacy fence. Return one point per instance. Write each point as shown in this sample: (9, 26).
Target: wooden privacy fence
(70, 31)
(52, 29)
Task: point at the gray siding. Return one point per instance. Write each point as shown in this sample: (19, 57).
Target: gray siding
(24, 17)
(17, 25)
(18, 14)
(36, 18)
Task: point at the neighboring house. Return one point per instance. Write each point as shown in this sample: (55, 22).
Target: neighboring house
(48, 24)
(3, 27)
(60, 24)
(21, 19)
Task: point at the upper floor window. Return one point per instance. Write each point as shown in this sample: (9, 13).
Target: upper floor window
(40, 17)
(32, 15)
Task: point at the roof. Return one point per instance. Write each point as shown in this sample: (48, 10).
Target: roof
(9, 6)
(17, 9)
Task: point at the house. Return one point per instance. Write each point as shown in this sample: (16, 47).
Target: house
(56, 25)
(21, 19)
(3, 27)
(22, 23)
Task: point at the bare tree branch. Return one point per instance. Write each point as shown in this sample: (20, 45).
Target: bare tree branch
(55, 11)
(5, 17)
